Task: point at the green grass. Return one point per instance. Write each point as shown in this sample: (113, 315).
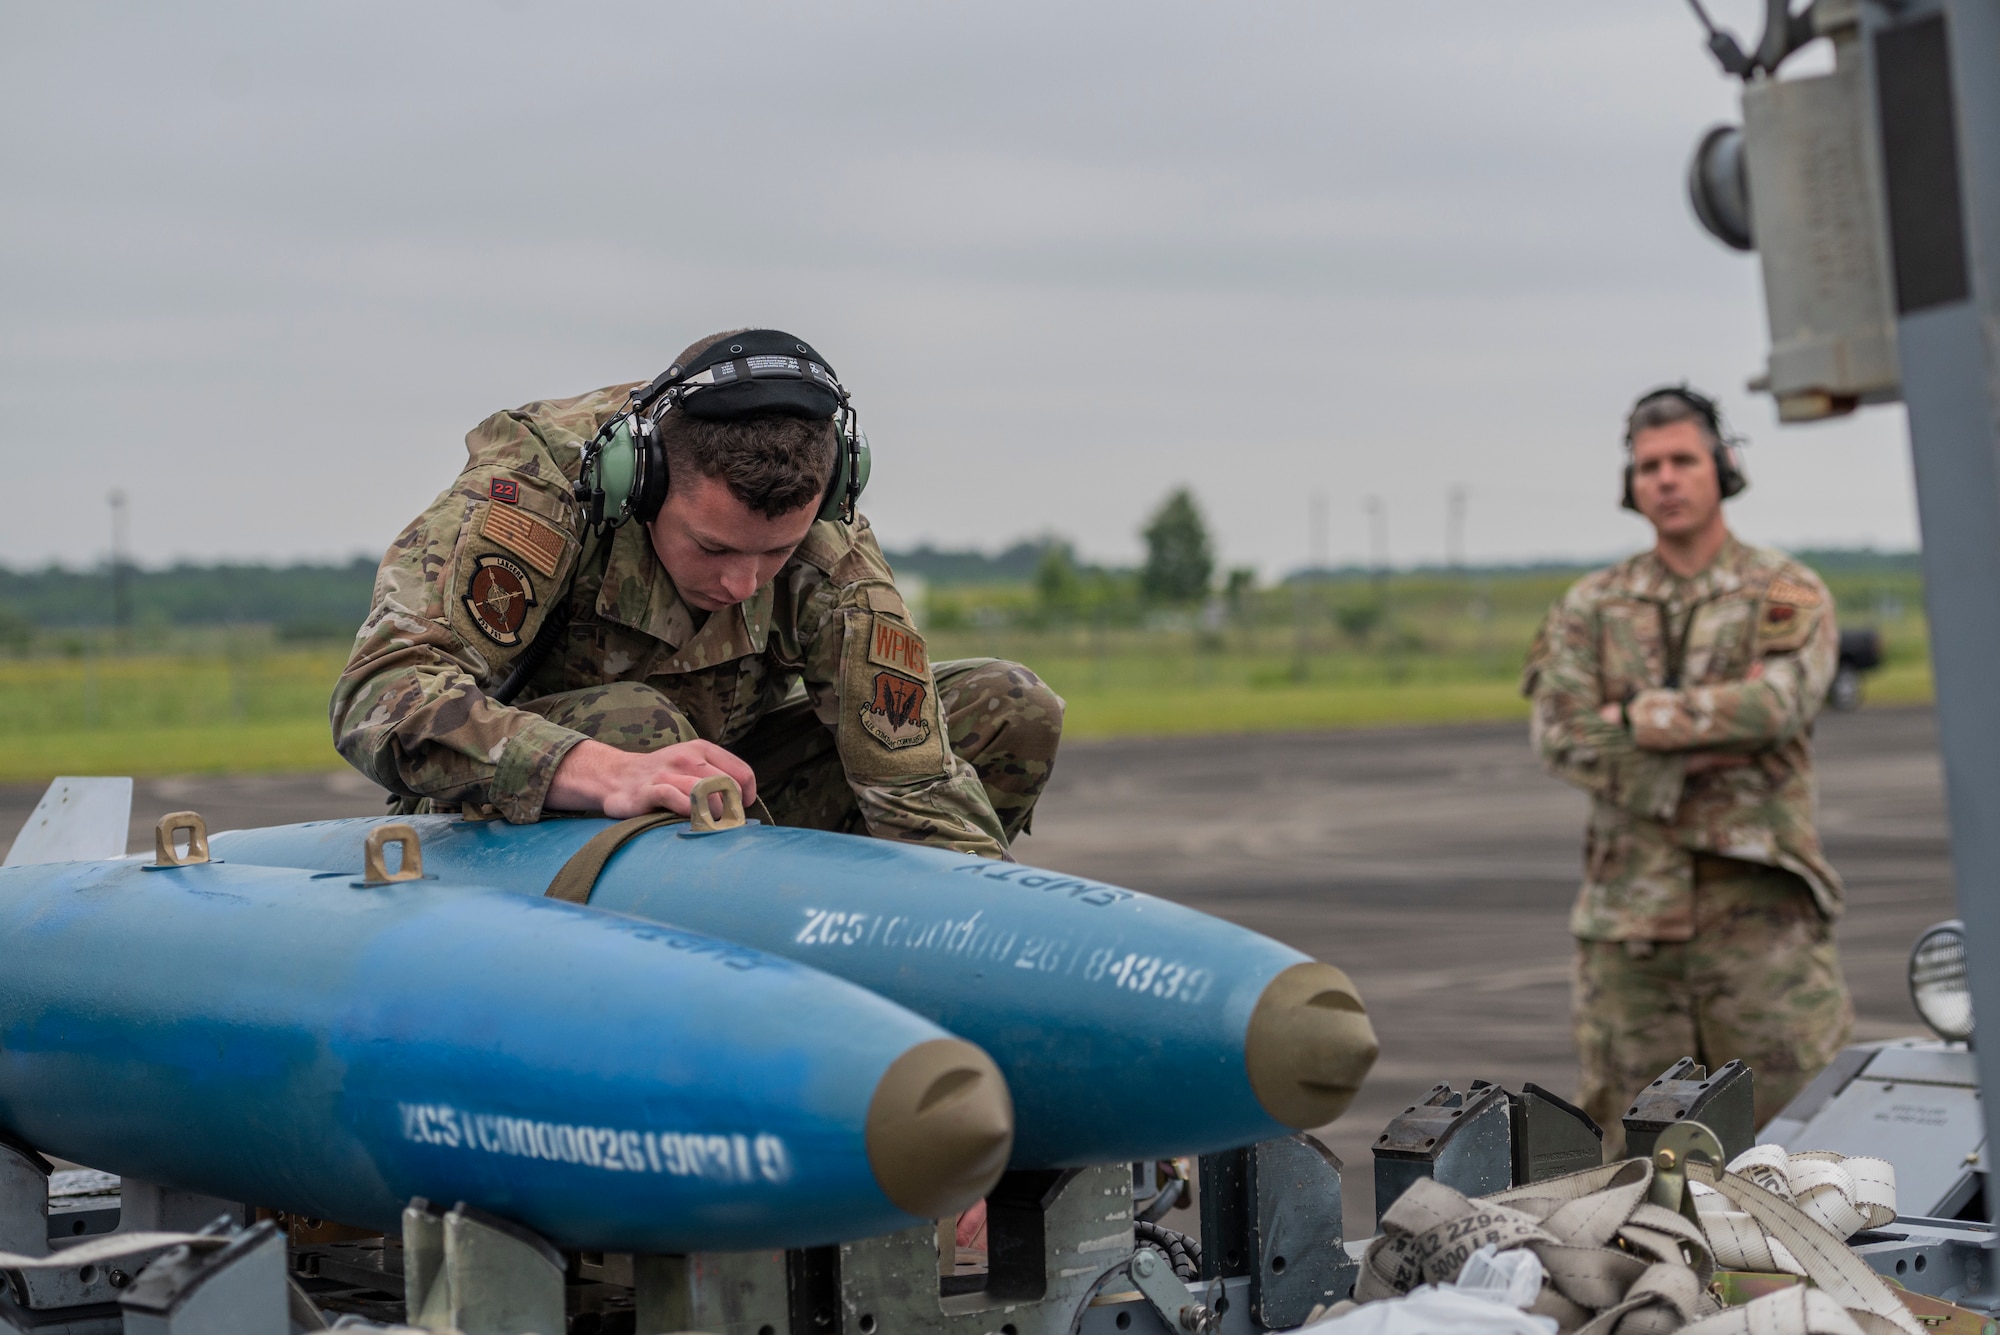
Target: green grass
(255, 748)
(167, 713)
(1443, 653)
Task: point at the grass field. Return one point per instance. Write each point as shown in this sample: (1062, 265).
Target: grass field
(1417, 651)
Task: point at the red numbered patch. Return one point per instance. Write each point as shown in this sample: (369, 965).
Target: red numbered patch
(506, 490)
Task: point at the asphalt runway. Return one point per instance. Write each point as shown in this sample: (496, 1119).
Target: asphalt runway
(1435, 865)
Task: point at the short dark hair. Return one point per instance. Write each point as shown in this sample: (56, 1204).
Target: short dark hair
(772, 463)
(1658, 410)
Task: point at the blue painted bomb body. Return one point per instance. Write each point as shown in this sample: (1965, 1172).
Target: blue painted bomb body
(305, 1043)
(1118, 1019)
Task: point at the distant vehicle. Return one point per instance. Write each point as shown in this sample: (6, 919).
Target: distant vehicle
(1860, 651)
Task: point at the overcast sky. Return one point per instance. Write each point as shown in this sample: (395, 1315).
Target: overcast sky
(264, 265)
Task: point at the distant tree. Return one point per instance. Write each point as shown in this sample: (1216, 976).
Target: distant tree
(16, 631)
(1179, 557)
(1358, 620)
(1058, 587)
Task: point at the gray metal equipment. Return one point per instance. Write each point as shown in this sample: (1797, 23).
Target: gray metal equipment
(1900, 230)
(1483, 1140)
(1062, 1259)
(1273, 1212)
(1465, 1141)
(1918, 1100)
(1685, 1092)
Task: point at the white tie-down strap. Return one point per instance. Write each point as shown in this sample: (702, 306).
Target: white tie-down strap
(1617, 1264)
(1612, 1260)
(1741, 1244)
(1845, 1193)
(1794, 1311)
(1825, 1259)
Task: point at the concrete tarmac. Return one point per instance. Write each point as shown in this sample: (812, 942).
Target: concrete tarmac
(1435, 865)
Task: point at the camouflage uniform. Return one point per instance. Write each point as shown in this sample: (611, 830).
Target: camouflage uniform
(1704, 926)
(819, 681)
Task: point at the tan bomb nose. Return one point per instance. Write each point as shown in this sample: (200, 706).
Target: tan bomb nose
(940, 1128)
(1310, 1045)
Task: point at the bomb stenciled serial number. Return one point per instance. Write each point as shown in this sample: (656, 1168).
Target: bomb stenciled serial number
(733, 1158)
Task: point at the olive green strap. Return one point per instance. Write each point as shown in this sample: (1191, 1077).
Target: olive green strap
(578, 876)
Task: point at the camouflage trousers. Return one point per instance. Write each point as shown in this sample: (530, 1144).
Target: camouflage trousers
(1759, 981)
(999, 717)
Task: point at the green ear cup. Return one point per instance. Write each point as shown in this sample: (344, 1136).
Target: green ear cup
(861, 466)
(618, 469)
(851, 474)
(841, 487)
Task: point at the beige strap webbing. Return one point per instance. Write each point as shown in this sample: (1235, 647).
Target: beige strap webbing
(1794, 1311)
(1617, 1264)
(1828, 1262)
(578, 876)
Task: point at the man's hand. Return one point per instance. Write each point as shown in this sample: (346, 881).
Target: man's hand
(1698, 762)
(596, 777)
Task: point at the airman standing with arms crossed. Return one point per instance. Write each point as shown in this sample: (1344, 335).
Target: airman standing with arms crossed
(1678, 688)
(631, 591)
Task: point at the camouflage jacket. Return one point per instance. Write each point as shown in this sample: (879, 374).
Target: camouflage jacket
(1735, 659)
(465, 588)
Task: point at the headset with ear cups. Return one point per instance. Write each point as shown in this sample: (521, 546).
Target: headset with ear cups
(1729, 475)
(759, 371)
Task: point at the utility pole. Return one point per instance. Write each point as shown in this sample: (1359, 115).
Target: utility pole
(1305, 590)
(1378, 540)
(121, 597)
(1454, 526)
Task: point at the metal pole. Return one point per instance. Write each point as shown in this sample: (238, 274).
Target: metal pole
(1378, 540)
(1937, 88)
(121, 610)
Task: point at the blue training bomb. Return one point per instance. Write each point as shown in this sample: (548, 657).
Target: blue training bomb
(1127, 1027)
(333, 1047)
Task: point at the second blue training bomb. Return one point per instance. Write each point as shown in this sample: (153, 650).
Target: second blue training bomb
(333, 1048)
(1127, 1027)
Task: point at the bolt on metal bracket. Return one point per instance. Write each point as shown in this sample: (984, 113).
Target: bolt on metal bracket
(1154, 1277)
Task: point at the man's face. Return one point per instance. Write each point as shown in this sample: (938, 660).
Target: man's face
(717, 549)
(1673, 478)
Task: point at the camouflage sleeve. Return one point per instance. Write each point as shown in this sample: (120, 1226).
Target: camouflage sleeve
(458, 598)
(870, 679)
(1796, 651)
(1574, 743)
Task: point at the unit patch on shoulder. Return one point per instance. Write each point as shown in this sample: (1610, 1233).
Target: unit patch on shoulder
(499, 596)
(1797, 595)
(893, 645)
(525, 535)
(506, 491)
(894, 715)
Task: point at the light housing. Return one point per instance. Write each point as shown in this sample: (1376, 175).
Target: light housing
(1718, 189)
(1938, 985)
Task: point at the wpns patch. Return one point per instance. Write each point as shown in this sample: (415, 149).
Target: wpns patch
(499, 596)
(894, 715)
